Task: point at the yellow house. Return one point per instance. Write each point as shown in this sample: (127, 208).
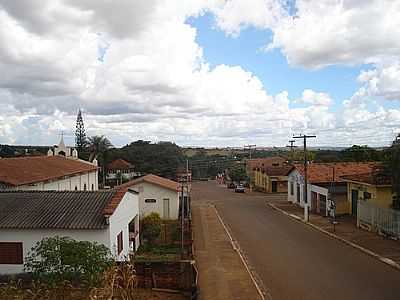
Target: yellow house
(375, 188)
(272, 179)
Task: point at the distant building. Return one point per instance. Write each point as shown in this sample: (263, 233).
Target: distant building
(272, 179)
(325, 185)
(120, 170)
(157, 194)
(60, 170)
(110, 218)
(273, 161)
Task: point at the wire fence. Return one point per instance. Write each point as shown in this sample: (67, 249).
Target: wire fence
(383, 220)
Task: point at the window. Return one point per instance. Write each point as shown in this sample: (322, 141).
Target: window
(84, 187)
(120, 243)
(367, 196)
(92, 187)
(150, 200)
(76, 188)
(11, 253)
(291, 188)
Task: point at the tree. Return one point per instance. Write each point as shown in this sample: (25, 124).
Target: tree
(99, 146)
(151, 228)
(55, 259)
(238, 173)
(360, 153)
(80, 134)
(392, 166)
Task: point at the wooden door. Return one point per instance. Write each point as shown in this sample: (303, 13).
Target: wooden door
(274, 186)
(354, 199)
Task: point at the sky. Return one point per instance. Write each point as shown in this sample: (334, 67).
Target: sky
(201, 72)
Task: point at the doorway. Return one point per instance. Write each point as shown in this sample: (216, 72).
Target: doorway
(166, 209)
(274, 186)
(354, 199)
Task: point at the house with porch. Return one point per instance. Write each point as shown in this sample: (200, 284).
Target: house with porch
(272, 179)
(373, 188)
(327, 190)
(109, 217)
(120, 170)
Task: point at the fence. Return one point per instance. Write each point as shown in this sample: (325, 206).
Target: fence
(382, 220)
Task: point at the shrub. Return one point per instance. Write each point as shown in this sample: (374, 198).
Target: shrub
(56, 259)
(151, 228)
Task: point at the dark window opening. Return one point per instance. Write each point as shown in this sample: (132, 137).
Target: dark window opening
(120, 243)
(11, 253)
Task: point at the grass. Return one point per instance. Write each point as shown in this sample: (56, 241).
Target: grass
(158, 253)
(119, 283)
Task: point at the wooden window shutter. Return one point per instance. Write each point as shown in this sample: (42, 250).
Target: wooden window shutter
(11, 253)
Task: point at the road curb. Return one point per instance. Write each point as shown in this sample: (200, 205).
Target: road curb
(236, 247)
(383, 259)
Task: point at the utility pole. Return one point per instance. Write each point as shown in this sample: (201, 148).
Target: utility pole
(305, 137)
(291, 146)
(249, 147)
(182, 220)
(187, 187)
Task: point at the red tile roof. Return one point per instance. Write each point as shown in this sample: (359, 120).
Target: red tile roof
(129, 186)
(323, 172)
(119, 164)
(154, 179)
(372, 178)
(264, 162)
(27, 170)
(277, 171)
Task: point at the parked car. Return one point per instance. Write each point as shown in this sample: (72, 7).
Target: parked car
(239, 188)
(231, 185)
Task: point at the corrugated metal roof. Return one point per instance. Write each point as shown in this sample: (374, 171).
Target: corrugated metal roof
(53, 209)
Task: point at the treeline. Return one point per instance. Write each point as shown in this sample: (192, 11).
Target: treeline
(162, 158)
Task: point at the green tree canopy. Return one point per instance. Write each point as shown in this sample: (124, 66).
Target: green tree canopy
(360, 153)
(151, 228)
(55, 259)
(238, 173)
(80, 134)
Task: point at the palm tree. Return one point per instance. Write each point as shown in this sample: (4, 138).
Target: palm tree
(98, 147)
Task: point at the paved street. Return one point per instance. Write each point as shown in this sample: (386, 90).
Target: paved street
(293, 260)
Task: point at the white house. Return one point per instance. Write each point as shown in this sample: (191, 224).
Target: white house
(26, 217)
(326, 189)
(119, 169)
(60, 170)
(157, 194)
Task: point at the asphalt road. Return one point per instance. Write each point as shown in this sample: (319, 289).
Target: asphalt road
(292, 260)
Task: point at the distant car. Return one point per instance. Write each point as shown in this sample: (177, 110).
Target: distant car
(239, 188)
(231, 185)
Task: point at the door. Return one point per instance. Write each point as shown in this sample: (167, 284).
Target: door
(354, 199)
(322, 204)
(166, 208)
(274, 186)
(298, 193)
(314, 202)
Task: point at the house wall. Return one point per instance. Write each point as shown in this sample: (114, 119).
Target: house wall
(152, 191)
(381, 196)
(119, 221)
(295, 178)
(30, 237)
(66, 184)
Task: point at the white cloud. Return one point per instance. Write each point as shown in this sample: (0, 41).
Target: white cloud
(138, 72)
(235, 15)
(315, 98)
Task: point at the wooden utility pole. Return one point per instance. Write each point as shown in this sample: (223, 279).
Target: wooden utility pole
(249, 147)
(291, 146)
(305, 137)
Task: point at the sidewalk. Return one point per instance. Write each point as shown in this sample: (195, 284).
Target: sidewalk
(386, 250)
(222, 274)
